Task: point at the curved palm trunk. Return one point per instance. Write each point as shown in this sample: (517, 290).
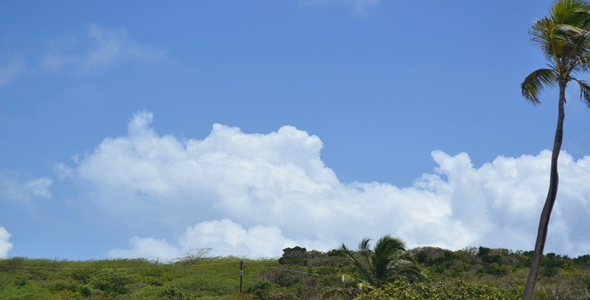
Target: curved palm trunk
(551, 196)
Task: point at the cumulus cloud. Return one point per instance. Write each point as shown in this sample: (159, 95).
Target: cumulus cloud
(148, 248)
(225, 236)
(254, 194)
(11, 71)
(107, 48)
(5, 245)
(15, 189)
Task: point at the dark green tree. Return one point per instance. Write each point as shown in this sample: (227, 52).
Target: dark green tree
(563, 36)
(384, 263)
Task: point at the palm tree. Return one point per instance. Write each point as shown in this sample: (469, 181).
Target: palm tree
(386, 261)
(564, 38)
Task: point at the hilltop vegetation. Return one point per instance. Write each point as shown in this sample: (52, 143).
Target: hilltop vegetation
(473, 273)
(187, 278)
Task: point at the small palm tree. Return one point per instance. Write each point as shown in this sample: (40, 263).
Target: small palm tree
(384, 263)
(564, 37)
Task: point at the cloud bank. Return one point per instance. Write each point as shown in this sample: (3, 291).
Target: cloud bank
(224, 237)
(5, 246)
(255, 194)
(107, 48)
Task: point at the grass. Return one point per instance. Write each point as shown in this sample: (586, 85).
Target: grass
(298, 274)
(203, 278)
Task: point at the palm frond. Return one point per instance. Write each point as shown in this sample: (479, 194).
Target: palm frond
(541, 35)
(536, 82)
(583, 63)
(584, 91)
(566, 30)
(407, 257)
(573, 43)
(563, 35)
(387, 250)
(355, 261)
(387, 259)
(365, 245)
(574, 12)
(412, 272)
(562, 41)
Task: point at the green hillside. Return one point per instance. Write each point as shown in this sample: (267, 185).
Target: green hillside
(473, 273)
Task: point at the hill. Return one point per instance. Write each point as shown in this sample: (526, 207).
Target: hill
(298, 274)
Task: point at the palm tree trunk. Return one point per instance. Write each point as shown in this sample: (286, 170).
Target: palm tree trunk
(551, 196)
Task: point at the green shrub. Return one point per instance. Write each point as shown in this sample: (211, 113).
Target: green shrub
(148, 292)
(402, 290)
(493, 269)
(67, 295)
(111, 280)
(551, 264)
(582, 260)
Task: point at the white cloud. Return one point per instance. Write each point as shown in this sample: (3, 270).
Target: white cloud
(39, 187)
(107, 48)
(14, 189)
(5, 245)
(11, 71)
(148, 248)
(225, 237)
(277, 186)
(63, 171)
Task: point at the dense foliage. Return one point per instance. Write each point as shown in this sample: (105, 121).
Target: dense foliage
(473, 273)
(402, 290)
(187, 278)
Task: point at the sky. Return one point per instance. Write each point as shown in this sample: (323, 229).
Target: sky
(150, 129)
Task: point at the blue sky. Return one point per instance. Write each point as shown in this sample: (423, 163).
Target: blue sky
(337, 119)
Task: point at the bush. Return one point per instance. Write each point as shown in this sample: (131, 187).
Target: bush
(582, 260)
(67, 295)
(173, 293)
(294, 256)
(111, 281)
(402, 290)
(493, 269)
(551, 264)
